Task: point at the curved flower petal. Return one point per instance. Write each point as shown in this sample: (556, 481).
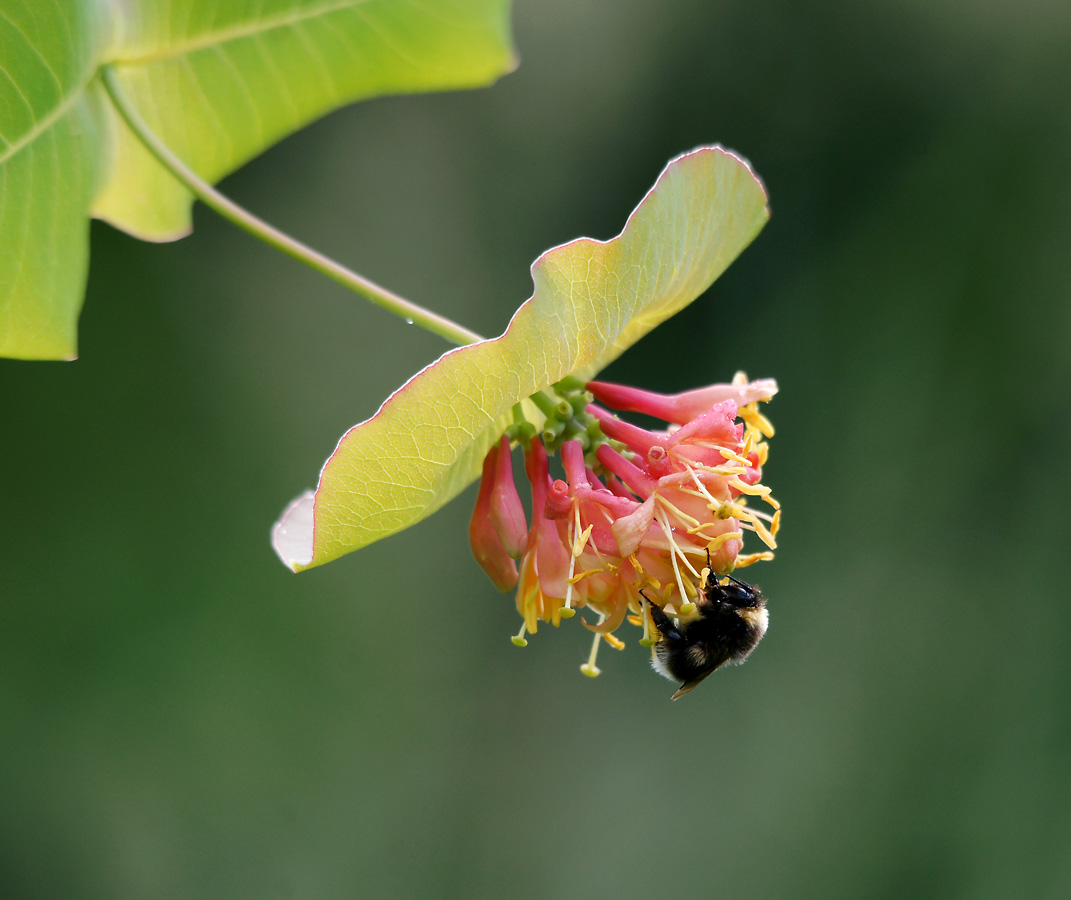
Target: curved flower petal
(685, 406)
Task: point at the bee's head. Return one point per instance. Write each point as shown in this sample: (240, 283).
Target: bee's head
(738, 594)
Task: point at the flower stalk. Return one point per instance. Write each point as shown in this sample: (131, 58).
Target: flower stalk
(273, 237)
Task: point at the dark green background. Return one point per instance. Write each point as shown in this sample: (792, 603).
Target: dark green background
(181, 717)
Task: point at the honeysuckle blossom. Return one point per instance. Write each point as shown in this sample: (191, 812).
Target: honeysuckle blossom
(637, 510)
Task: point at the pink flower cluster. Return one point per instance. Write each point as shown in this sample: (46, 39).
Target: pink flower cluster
(639, 510)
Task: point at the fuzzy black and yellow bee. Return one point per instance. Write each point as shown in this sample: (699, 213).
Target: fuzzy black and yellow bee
(731, 620)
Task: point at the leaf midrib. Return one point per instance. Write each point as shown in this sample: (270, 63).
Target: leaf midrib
(252, 29)
(210, 39)
(42, 125)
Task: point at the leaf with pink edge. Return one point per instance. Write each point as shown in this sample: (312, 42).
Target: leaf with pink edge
(592, 300)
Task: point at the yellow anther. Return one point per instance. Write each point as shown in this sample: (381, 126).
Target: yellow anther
(585, 574)
(754, 490)
(636, 565)
(761, 530)
(723, 538)
(572, 571)
(753, 418)
(581, 542)
(614, 641)
(750, 558)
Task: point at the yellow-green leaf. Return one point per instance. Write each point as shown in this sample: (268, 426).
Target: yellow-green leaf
(592, 300)
(218, 81)
(51, 150)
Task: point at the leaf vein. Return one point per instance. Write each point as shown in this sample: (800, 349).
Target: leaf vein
(246, 30)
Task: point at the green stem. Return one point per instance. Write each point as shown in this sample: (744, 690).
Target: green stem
(546, 405)
(244, 219)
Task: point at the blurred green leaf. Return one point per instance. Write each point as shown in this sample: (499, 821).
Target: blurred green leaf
(592, 300)
(221, 82)
(51, 152)
(218, 83)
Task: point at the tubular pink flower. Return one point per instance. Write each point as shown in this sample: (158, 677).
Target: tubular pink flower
(506, 512)
(638, 440)
(628, 474)
(544, 567)
(682, 407)
(572, 455)
(486, 545)
(637, 509)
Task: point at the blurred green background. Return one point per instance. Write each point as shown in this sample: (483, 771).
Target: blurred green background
(181, 717)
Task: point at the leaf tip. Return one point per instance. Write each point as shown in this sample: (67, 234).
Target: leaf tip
(291, 536)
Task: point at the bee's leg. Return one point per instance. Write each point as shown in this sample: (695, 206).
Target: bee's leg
(713, 582)
(664, 623)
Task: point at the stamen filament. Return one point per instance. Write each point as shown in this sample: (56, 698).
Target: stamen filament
(674, 550)
(703, 488)
(751, 523)
(589, 668)
(567, 611)
(677, 512)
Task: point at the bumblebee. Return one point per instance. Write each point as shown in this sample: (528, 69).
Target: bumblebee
(732, 618)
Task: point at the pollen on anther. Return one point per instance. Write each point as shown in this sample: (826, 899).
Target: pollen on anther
(756, 420)
(748, 559)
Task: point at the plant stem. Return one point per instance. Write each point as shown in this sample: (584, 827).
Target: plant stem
(257, 227)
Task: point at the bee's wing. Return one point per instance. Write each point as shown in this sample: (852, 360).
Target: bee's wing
(689, 686)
